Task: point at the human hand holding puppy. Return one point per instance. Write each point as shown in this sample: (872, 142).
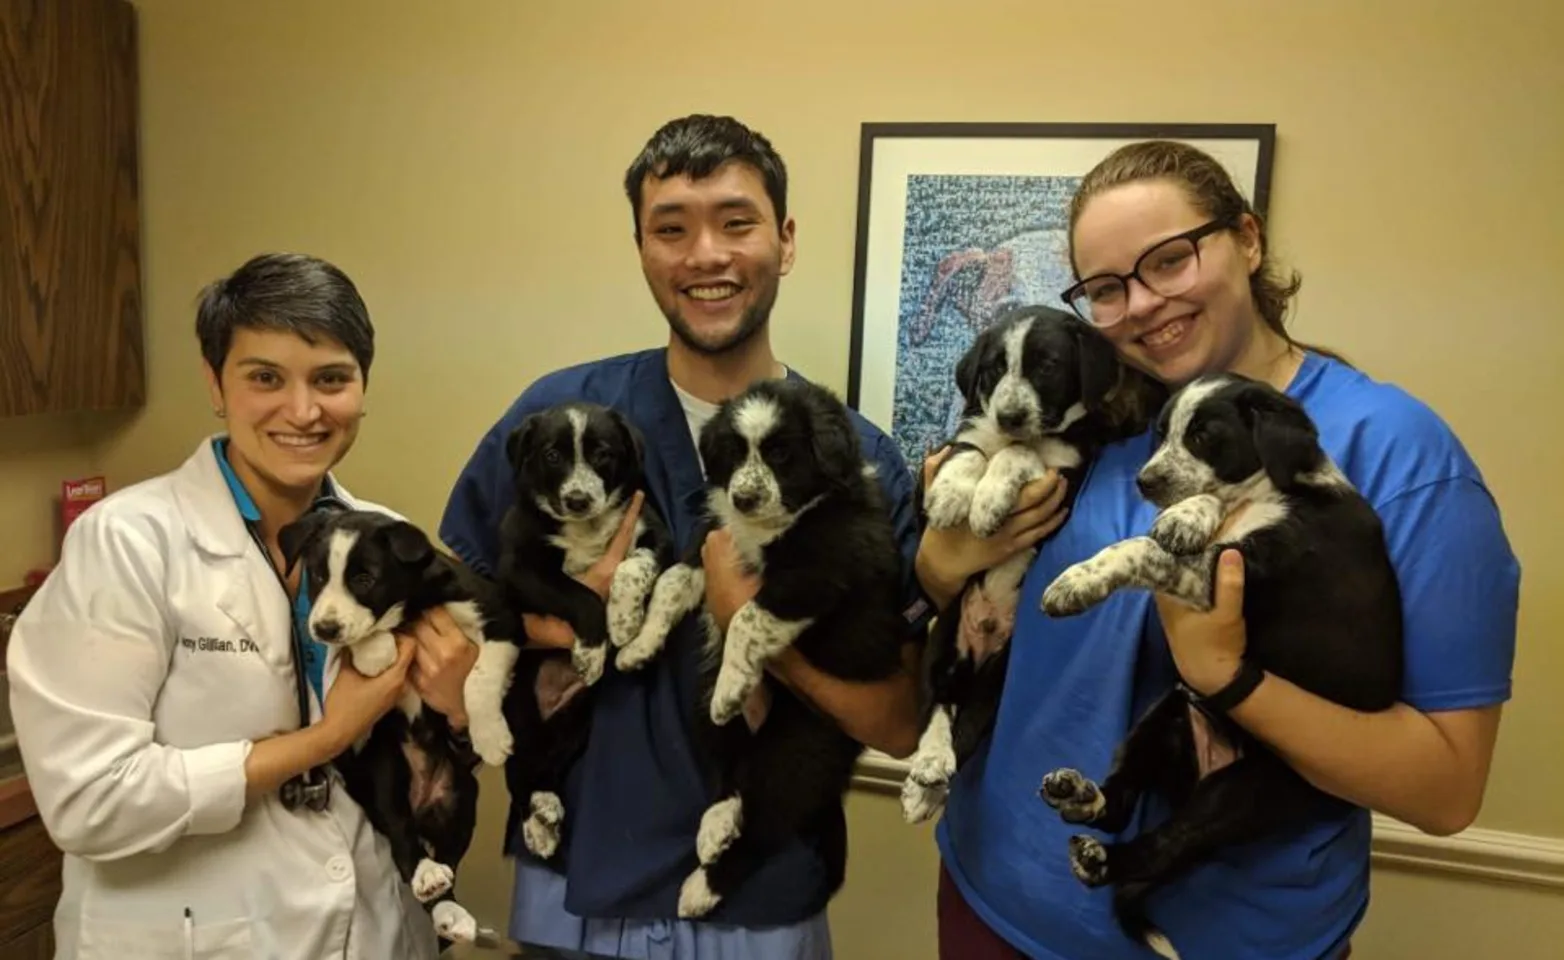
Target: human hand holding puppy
(728, 585)
(1208, 646)
(948, 557)
(546, 631)
(442, 659)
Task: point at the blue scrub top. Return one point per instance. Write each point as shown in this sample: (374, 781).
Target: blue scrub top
(1076, 685)
(636, 797)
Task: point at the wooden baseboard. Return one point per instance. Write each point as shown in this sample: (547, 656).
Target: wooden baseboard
(1476, 853)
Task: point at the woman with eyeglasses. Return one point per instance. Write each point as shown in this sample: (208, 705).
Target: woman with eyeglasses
(1173, 266)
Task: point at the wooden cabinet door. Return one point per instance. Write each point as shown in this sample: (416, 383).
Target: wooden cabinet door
(29, 881)
(70, 249)
(36, 944)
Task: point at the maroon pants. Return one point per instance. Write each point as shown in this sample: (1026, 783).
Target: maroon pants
(964, 936)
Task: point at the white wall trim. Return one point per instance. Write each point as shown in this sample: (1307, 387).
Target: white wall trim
(1475, 852)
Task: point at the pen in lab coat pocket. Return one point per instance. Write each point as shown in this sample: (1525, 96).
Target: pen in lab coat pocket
(189, 936)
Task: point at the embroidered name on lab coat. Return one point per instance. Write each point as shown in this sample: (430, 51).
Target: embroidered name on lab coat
(218, 645)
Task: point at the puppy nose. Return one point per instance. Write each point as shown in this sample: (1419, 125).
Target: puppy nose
(577, 502)
(745, 500)
(1149, 486)
(327, 631)
(1012, 419)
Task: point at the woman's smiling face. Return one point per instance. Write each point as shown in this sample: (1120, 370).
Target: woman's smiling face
(292, 407)
(1207, 327)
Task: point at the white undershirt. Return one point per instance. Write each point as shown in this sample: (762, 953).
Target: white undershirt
(696, 413)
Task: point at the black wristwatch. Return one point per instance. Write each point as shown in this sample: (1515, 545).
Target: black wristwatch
(1237, 690)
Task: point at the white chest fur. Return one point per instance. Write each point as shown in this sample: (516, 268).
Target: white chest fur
(585, 541)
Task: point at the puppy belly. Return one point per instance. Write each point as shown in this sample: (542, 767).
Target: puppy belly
(430, 785)
(985, 625)
(1212, 750)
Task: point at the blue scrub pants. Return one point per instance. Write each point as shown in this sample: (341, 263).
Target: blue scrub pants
(538, 916)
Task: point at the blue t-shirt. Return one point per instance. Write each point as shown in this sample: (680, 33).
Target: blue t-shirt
(1085, 679)
(635, 798)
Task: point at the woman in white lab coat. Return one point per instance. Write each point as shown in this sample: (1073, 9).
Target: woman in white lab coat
(153, 676)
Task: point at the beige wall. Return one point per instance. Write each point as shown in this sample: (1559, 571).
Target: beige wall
(462, 161)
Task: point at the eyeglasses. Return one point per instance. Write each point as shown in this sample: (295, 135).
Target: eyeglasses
(1167, 269)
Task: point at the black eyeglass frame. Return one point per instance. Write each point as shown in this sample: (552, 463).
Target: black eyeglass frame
(1194, 236)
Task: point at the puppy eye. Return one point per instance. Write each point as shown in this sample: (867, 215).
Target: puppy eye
(361, 581)
(551, 456)
(780, 455)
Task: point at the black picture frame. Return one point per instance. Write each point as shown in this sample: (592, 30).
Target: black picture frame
(902, 169)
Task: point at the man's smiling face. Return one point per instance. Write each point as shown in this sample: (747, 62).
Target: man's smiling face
(713, 254)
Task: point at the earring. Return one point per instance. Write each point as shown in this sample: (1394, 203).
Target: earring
(220, 413)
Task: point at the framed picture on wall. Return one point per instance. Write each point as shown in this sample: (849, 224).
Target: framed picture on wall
(957, 221)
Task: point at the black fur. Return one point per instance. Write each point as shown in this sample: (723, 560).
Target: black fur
(836, 562)
(1067, 364)
(549, 707)
(1322, 609)
(413, 778)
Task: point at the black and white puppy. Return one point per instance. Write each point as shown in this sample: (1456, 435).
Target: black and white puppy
(370, 573)
(1043, 391)
(575, 467)
(1238, 464)
(787, 480)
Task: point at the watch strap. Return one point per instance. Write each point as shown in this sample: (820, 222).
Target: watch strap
(1237, 690)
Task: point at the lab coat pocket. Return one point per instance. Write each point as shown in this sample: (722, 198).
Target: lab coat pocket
(102, 939)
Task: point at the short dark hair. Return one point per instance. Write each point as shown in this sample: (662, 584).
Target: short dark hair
(696, 146)
(288, 292)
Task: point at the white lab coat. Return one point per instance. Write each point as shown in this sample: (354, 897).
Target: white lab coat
(141, 672)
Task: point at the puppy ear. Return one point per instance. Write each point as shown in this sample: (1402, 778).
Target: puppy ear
(1285, 438)
(293, 538)
(636, 438)
(519, 439)
(967, 367)
(409, 544)
(834, 441)
(1101, 371)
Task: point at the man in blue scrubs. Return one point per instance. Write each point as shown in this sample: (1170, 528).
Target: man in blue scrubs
(709, 200)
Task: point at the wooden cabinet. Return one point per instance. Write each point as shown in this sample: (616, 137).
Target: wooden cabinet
(29, 890)
(70, 246)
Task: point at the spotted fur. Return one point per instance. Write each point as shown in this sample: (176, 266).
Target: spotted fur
(1043, 391)
(1238, 465)
(786, 480)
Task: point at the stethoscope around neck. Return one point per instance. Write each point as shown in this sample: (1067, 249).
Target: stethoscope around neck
(312, 788)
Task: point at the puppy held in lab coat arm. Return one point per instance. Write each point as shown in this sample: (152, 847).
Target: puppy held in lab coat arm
(141, 672)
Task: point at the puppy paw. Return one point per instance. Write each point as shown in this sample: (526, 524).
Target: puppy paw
(627, 596)
(491, 739)
(728, 695)
(948, 504)
(720, 826)
(696, 898)
(1088, 860)
(1074, 591)
(991, 507)
(373, 655)
(1181, 531)
(431, 880)
(452, 921)
(541, 830)
(920, 802)
(639, 652)
(933, 766)
(589, 661)
(1076, 798)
